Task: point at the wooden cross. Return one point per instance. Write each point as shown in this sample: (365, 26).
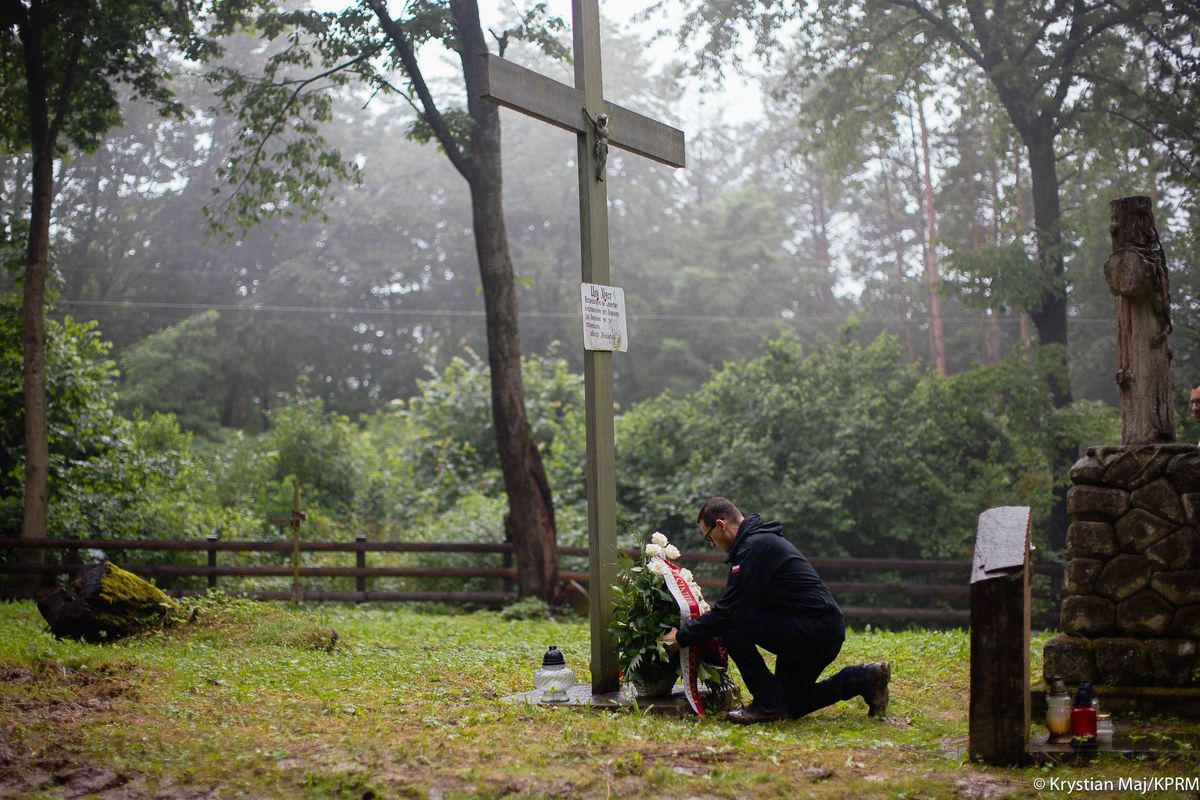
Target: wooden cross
(580, 109)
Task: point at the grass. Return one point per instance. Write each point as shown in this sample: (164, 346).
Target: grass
(257, 700)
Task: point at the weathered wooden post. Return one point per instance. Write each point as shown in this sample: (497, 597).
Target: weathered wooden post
(1136, 274)
(297, 515)
(1000, 611)
(293, 522)
(360, 562)
(213, 538)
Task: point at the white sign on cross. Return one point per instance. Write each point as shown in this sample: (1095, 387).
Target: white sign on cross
(603, 317)
(597, 125)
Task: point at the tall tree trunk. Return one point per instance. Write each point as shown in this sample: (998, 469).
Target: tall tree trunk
(1050, 317)
(530, 522)
(1018, 191)
(898, 255)
(991, 336)
(1019, 203)
(820, 216)
(5, 193)
(1152, 167)
(33, 305)
(975, 241)
(936, 331)
(1026, 328)
(531, 507)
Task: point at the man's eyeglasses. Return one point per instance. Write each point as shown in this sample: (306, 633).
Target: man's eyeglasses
(708, 534)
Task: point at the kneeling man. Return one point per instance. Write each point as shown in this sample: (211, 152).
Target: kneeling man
(773, 598)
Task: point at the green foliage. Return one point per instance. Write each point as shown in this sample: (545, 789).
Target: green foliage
(454, 446)
(282, 163)
(111, 477)
(447, 433)
(145, 482)
(175, 371)
(858, 66)
(458, 122)
(474, 517)
(80, 381)
(528, 608)
(542, 30)
(998, 276)
(856, 451)
(315, 449)
(89, 56)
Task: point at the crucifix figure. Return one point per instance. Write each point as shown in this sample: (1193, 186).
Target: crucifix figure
(597, 125)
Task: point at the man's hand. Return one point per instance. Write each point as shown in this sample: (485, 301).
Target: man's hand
(669, 642)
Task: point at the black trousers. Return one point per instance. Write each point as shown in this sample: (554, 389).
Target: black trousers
(803, 646)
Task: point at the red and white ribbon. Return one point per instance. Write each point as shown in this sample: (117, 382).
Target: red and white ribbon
(689, 608)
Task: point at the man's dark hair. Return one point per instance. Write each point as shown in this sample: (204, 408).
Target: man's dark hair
(717, 508)
(1196, 385)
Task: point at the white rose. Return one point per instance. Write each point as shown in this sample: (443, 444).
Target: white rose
(703, 607)
(671, 552)
(653, 550)
(659, 567)
(658, 539)
(686, 574)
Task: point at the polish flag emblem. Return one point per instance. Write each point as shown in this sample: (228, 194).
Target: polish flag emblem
(735, 568)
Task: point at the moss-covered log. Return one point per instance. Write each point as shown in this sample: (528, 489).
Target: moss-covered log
(104, 602)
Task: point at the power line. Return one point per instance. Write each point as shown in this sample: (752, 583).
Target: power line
(265, 308)
(256, 308)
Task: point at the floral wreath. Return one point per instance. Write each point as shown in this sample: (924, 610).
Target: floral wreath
(654, 595)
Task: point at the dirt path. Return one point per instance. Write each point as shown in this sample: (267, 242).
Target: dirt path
(39, 751)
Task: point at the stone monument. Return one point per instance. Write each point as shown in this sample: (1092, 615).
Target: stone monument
(1131, 615)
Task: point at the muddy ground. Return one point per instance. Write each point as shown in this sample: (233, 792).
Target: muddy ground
(40, 754)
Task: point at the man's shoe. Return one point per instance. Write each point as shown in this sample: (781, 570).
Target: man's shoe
(876, 693)
(752, 715)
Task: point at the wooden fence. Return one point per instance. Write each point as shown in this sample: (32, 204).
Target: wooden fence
(872, 589)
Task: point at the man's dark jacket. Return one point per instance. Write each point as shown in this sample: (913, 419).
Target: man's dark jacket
(767, 571)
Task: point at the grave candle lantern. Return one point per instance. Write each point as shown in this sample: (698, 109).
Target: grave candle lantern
(1083, 717)
(1058, 711)
(554, 677)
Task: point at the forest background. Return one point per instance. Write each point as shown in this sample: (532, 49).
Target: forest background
(828, 323)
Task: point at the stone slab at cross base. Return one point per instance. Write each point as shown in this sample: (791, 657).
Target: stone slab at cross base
(581, 697)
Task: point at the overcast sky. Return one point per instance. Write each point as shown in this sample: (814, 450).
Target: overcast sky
(734, 104)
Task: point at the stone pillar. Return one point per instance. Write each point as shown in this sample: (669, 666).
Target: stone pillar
(1131, 616)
